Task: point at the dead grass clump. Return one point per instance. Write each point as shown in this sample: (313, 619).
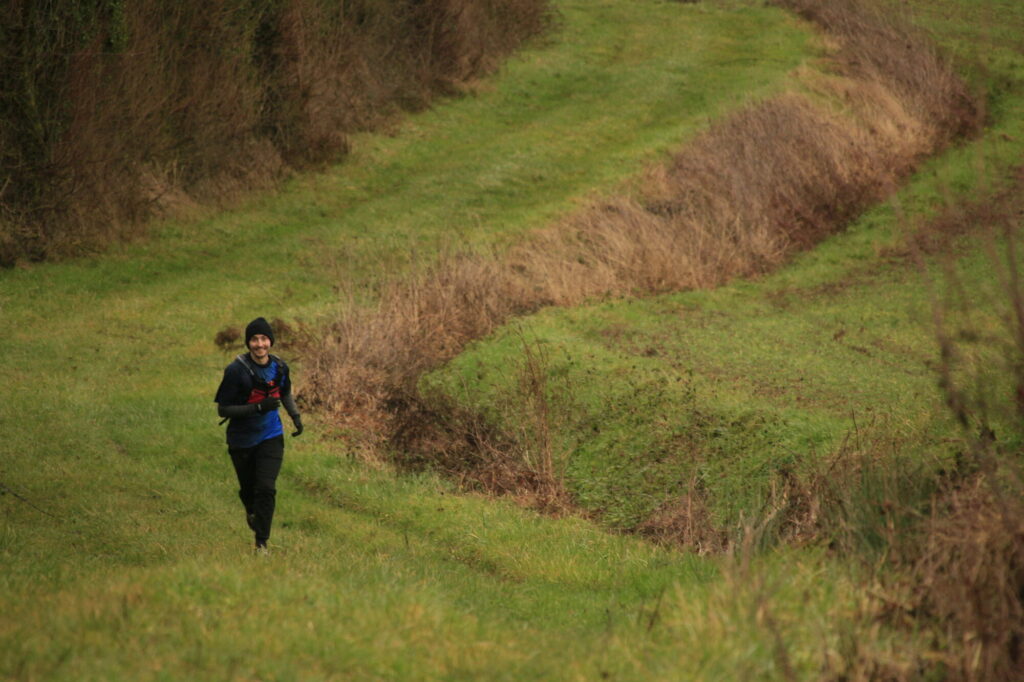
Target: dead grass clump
(879, 46)
(229, 338)
(786, 167)
(954, 584)
(686, 522)
(366, 365)
(969, 579)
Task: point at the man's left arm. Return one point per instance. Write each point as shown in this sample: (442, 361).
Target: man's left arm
(290, 407)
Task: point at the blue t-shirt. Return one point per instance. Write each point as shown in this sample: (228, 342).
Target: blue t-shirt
(238, 387)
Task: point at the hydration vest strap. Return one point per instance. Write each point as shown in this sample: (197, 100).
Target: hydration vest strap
(259, 385)
(248, 364)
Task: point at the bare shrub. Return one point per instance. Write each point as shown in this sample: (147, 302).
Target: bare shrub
(957, 571)
(954, 582)
(228, 338)
(369, 361)
(969, 579)
(967, 576)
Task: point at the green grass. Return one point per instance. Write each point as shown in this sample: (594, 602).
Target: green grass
(121, 539)
(372, 577)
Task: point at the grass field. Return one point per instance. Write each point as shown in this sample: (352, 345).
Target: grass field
(121, 540)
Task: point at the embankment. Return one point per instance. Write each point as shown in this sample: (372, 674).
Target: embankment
(761, 184)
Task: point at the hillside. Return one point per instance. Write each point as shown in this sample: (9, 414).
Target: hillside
(123, 545)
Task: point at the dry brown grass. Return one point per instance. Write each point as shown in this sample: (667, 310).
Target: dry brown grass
(686, 522)
(969, 579)
(878, 46)
(954, 584)
(775, 177)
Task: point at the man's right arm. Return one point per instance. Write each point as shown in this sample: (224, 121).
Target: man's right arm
(249, 409)
(236, 411)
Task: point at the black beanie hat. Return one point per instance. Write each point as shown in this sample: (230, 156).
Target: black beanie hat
(259, 326)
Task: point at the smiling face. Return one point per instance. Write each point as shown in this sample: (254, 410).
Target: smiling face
(259, 349)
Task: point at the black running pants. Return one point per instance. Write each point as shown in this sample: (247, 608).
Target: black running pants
(257, 469)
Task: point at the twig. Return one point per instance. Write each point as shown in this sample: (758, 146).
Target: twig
(5, 490)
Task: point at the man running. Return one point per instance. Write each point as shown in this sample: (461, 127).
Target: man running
(255, 384)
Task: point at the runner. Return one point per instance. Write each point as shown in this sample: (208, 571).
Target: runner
(254, 386)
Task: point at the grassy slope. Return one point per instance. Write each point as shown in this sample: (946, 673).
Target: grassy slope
(120, 538)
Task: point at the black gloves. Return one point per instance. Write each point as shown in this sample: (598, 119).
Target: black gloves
(267, 404)
(297, 420)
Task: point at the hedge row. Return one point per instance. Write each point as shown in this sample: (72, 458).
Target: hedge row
(114, 110)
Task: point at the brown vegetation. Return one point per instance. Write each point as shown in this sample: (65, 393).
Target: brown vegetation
(879, 47)
(968, 578)
(113, 112)
(954, 571)
(686, 522)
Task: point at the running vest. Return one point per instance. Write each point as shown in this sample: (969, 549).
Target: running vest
(263, 389)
